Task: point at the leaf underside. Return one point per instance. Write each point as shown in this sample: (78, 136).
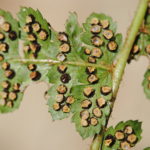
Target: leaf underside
(77, 63)
(124, 136)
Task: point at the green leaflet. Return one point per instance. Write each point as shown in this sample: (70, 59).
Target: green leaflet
(146, 83)
(11, 84)
(129, 135)
(148, 148)
(78, 70)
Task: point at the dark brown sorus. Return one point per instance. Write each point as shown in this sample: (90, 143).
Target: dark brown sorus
(87, 51)
(4, 47)
(27, 28)
(43, 34)
(84, 114)
(12, 35)
(91, 59)
(108, 34)
(65, 48)
(135, 49)
(62, 89)
(60, 98)
(5, 84)
(62, 68)
(97, 112)
(92, 78)
(30, 18)
(9, 104)
(35, 75)
(128, 130)
(56, 106)
(93, 121)
(97, 41)
(119, 135)
(84, 123)
(35, 47)
(9, 73)
(148, 49)
(36, 27)
(94, 21)
(95, 29)
(65, 78)
(26, 48)
(104, 23)
(1, 57)
(12, 96)
(148, 78)
(4, 94)
(2, 36)
(63, 37)
(90, 70)
(61, 57)
(86, 104)
(31, 37)
(32, 67)
(101, 102)
(2, 102)
(105, 90)
(96, 52)
(70, 100)
(6, 26)
(125, 145)
(16, 87)
(109, 140)
(132, 138)
(66, 109)
(88, 91)
(33, 55)
(5, 65)
(112, 46)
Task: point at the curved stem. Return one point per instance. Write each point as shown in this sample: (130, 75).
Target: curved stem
(121, 62)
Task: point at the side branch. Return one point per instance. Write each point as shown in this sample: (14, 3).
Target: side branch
(124, 54)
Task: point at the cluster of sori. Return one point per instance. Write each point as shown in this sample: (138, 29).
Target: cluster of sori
(9, 93)
(125, 138)
(6, 34)
(62, 102)
(100, 29)
(92, 111)
(34, 75)
(34, 33)
(64, 47)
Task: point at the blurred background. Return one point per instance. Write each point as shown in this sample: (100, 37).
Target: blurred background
(31, 127)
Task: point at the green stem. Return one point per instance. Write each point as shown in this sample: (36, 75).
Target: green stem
(124, 54)
(97, 142)
(121, 62)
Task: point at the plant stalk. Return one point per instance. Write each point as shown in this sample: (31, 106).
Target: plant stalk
(121, 62)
